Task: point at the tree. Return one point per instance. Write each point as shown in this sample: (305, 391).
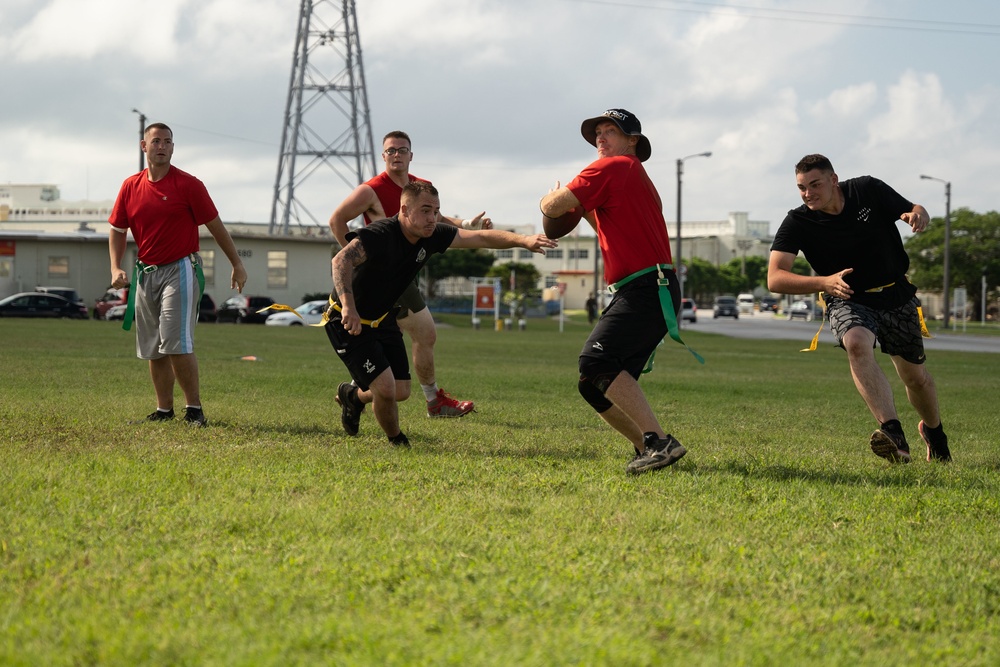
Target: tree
(975, 250)
(526, 276)
(462, 262)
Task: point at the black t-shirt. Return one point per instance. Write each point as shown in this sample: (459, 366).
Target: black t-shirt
(863, 237)
(392, 263)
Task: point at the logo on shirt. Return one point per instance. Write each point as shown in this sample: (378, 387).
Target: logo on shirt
(863, 214)
(598, 346)
(422, 255)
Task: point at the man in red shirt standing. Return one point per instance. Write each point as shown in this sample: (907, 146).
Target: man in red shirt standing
(378, 199)
(163, 207)
(619, 201)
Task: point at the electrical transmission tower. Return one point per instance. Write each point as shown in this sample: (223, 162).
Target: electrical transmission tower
(327, 123)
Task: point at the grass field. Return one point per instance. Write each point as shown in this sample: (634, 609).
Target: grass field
(510, 537)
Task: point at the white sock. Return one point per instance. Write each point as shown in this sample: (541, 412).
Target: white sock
(430, 391)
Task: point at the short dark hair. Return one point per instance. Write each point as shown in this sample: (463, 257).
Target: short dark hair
(814, 161)
(414, 189)
(157, 126)
(398, 134)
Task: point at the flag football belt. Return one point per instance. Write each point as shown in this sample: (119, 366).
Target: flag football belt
(326, 314)
(141, 269)
(666, 305)
(924, 331)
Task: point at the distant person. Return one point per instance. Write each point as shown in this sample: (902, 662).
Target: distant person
(619, 200)
(591, 309)
(377, 199)
(847, 231)
(163, 207)
(370, 274)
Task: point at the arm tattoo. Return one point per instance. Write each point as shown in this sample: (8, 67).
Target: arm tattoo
(343, 264)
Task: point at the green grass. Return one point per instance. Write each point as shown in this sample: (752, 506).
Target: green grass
(510, 537)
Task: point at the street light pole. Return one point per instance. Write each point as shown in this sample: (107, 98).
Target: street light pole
(142, 130)
(947, 245)
(679, 260)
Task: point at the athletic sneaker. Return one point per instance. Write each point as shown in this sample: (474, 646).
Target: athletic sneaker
(350, 407)
(156, 416)
(444, 405)
(935, 451)
(659, 453)
(195, 417)
(890, 446)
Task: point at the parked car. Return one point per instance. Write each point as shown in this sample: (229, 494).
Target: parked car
(768, 305)
(67, 293)
(311, 312)
(804, 310)
(206, 310)
(725, 306)
(242, 309)
(689, 310)
(745, 302)
(111, 298)
(41, 304)
(116, 312)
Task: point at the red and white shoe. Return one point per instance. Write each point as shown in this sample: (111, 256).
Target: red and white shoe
(444, 405)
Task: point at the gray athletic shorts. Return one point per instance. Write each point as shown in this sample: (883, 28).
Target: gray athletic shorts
(897, 330)
(166, 310)
(411, 301)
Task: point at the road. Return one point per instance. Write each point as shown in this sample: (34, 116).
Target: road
(767, 325)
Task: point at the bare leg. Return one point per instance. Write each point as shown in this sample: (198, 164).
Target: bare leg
(420, 328)
(634, 415)
(920, 390)
(162, 373)
(185, 369)
(385, 394)
(871, 382)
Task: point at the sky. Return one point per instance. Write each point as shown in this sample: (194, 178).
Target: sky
(492, 93)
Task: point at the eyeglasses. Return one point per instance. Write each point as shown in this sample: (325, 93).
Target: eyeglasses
(403, 150)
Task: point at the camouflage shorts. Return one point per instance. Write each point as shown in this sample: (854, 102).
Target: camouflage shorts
(897, 330)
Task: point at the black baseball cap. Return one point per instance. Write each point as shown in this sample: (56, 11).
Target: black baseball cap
(626, 122)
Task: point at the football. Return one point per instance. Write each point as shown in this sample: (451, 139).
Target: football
(556, 228)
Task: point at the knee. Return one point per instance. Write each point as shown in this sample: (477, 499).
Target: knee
(402, 391)
(593, 395)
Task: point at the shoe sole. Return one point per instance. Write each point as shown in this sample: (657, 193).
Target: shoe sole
(455, 416)
(676, 454)
(885, 447)
(931, 454)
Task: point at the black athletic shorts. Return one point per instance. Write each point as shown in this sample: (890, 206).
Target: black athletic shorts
(411, 301)
(897, 330)
(370, 352)
(630, 327)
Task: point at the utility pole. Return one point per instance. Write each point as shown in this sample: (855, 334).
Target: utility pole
(142, 134)
(327, 126)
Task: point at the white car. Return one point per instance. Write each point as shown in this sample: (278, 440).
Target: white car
(311, 313)
(115, 313)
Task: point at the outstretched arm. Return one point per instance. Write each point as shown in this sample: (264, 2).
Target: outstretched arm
(917, 219)
(499, 239)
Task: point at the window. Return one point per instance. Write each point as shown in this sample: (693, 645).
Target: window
(277, 268)
(58, 268)
(524, 254)
(551, 281)
(556, 253)
(578, 253)
(507, 253)
(208, 266)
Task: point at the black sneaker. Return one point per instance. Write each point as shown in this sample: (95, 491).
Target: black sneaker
(400, 440)
(156, 416)
(195, 417)
(659, 453)
(936, 451)
(890, 446)
(350, 407)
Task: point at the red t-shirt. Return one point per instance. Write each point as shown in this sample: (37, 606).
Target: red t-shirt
(630, 224)
(388, 193)
(164, 216)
